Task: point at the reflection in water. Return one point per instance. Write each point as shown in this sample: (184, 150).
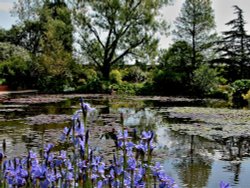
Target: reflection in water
(189, 158)
(193, 173)
(235, 148)
(21, 138)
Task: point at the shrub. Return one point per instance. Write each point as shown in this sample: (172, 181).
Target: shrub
(127, 88)
(167, 82)
(134, 74)
(239, 87)
(115, 77)
(15, 72)
(205, 80)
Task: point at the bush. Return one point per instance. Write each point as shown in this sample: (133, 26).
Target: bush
(205, 81)
(88, 81)
(221, 92)
(115, 77)
(167, 82)
(134, 74)
(127, 88)
(15, 72)
(239, 88)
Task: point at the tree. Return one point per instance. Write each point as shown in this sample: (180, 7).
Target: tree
(114, 31)
(235, 48)
(195, 25)
(57, 14)
(33, 18)
(178, 59)
(55, 58)
(28, 31)
(46, 30)
(27, 10)
(16, 66)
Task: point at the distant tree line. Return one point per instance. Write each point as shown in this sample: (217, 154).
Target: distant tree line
(106, 46)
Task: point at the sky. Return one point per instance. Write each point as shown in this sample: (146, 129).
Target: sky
(223, 11)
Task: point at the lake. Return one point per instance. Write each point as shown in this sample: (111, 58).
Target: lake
(199, 142)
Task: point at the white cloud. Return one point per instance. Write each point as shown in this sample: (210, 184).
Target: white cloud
(6, 6)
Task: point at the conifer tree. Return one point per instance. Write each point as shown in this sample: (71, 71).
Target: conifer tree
(235, 48)
(196, 25)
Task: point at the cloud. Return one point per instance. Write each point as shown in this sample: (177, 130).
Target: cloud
(6, 6)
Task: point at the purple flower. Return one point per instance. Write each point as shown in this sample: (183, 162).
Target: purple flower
(76, 115)
(94, 176)
(79, 130)
(39, 171)
(131, 163)
(87, 107)
(51, 176)
(123, 135)
(63, 155)
(70, 176)
(82, 165)
(99, 184)
(32, 155)
(142, 147)
(224, 185)
(155, 169)
(166, 181)
(23, 173)
(101, 169)
(147, 135)
(48, 148)
(1, 156)
(44, 184)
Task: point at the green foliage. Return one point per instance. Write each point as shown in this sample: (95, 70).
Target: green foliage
(129, 27)
(8, 50)
(134, 74)
(15, 72)
(174, 74)
(234, 48)
(206, 81)
(115, 77)
(89, 81)
(195, 25)
(15, 66)
(167, 82)
(178, 59)
(126, 88)
(239, 88)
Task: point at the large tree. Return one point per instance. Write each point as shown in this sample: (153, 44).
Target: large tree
(34, 16)
(45, 29)
(113, 31)
(196, 25)
(234, 48)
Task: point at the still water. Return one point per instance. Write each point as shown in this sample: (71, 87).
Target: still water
(192, 161)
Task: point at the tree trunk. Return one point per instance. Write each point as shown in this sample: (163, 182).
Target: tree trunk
(105, 71)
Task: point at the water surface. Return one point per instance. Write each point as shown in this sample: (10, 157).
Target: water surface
(191, 160)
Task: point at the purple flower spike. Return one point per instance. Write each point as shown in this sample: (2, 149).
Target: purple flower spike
(224, 185)
(63, 154)
(1, 156)
(147, 135)
(123, 135)
(87, 107)
(131, 163)
(76, 115)
(99, 184)
(44, 184)
(101, 169)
